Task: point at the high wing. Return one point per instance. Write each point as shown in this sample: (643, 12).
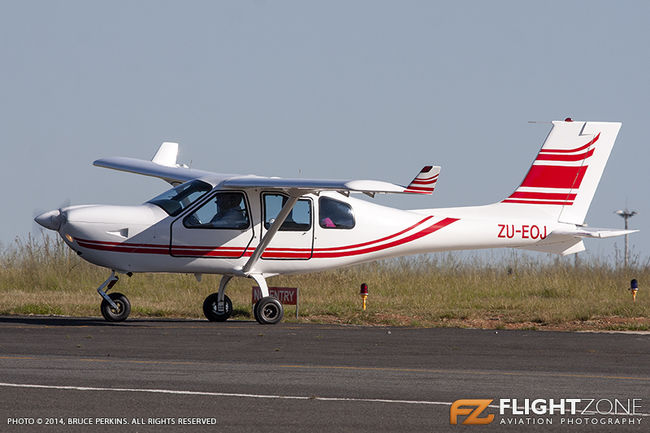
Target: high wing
(173, 175)
(164, 166)
(305, 186)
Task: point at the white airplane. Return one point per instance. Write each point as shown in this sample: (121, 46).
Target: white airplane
(258, 227)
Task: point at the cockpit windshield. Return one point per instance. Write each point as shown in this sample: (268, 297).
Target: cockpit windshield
(176, 199)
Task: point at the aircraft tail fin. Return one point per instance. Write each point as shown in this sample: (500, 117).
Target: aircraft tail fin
(565, 174)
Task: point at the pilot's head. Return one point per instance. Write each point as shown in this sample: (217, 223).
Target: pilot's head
(228, 200)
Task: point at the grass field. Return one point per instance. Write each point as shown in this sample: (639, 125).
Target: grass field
(45, 277)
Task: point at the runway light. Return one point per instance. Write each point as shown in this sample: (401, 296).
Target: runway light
(634, 287)
(364, 294)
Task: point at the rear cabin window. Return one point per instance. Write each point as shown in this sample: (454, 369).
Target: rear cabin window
(298, 220)
(334, 214)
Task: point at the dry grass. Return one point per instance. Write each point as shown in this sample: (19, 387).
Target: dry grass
(45, 277)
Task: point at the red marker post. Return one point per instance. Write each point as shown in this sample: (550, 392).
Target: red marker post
(634, 287)
(364, 294)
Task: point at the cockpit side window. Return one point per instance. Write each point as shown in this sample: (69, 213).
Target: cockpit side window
(225, 210)
(334, 214)
(175, 200)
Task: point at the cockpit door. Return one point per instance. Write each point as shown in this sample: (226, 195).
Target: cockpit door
(295, 238)
(220, 227)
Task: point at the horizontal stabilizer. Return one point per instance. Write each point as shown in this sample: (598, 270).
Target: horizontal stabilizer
(570, 241)
(592, 232)
(563, 247)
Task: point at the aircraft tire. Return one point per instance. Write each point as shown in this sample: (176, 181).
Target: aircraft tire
(123, 311)
(210, 308)
(269, 311)
(255, 310)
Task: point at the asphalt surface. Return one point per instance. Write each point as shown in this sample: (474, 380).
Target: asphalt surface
(76, 374)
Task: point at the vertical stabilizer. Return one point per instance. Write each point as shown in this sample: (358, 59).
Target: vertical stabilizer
(564, 176)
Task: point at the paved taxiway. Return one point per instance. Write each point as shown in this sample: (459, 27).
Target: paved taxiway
(248, 377)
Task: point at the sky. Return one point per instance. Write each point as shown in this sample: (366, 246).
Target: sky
(337, 89)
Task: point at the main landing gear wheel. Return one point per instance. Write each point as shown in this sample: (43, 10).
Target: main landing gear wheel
(268, 311)
(123, 308)
(255, 312)
(211, 310)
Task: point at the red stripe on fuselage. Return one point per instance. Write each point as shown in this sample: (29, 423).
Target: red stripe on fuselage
(153, 249)
(364, 244)
(129, 244)
(287, 253)
(437, 226)
(176, 251)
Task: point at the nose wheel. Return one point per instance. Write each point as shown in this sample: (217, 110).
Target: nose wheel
(122, 310)
(115, 307)
(215, 312)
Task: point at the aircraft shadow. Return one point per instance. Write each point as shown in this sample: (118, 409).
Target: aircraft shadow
(92, 321)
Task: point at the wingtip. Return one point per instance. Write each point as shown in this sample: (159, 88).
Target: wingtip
(425, 181)
(167, 154)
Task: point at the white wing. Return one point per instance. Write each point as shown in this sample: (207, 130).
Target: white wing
(173, 175)
(164, 166)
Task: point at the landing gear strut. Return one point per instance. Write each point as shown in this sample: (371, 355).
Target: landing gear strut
(217, 307)
(115, 307)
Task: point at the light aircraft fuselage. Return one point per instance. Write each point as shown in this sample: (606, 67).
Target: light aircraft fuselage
(258, 227)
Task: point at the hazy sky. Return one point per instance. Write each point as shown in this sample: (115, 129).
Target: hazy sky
(336, 89)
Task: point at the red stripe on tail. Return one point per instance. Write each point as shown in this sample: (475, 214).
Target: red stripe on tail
(577, 149)
(553, 176)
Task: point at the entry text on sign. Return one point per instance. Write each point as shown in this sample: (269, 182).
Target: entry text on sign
(286, 295)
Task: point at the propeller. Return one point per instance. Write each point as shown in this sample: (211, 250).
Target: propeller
(53, 219)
